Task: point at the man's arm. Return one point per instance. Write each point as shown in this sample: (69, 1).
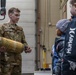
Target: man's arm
(2, 48)
(27, 49)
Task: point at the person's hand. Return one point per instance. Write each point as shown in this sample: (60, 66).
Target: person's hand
(27, 49)
(2, 49)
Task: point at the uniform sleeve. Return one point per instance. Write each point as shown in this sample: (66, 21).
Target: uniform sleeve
(23, 39)
(1, 31)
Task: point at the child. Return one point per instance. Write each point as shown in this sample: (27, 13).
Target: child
(57, 48)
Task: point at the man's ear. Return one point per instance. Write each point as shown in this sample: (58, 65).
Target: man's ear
(75, 5)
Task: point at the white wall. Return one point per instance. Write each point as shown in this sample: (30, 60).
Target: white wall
(68, 10)
(27, 21)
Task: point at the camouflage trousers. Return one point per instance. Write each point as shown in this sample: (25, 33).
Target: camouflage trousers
(10, 69)
(10, 64)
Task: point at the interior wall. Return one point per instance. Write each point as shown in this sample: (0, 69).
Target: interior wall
(49, 14)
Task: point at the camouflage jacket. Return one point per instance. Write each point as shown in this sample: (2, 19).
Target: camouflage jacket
(14, 32)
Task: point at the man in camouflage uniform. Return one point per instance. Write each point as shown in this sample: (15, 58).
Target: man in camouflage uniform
(10, 62)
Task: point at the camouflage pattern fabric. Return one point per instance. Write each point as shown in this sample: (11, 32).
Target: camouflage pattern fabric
(11, 63)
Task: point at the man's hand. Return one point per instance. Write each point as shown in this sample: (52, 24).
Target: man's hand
(28, 49)
(2, 49)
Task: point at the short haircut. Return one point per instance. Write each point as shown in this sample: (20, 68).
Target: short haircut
(72, 2)
(11, 10)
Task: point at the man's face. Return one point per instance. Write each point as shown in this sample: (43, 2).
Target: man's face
(73, 9)
(14, 17)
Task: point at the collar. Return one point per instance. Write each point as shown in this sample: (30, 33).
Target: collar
(73, 17)
(12, 24)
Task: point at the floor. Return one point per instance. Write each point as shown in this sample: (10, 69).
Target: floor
(28, 74)
(39, 73)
